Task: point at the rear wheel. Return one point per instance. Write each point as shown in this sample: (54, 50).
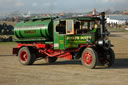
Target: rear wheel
(89, 58)
(50, 59)
(25, 56)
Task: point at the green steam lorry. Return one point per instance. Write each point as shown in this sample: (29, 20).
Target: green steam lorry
(84, 38)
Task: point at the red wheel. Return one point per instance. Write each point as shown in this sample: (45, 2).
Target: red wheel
(89, 58)
(25, 56)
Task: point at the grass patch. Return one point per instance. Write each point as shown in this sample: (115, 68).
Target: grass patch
(9, 43)
(116, 29)
(126, 31)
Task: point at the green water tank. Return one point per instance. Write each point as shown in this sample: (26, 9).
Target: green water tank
(34, 29)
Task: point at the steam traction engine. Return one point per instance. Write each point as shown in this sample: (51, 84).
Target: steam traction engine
(84, 38)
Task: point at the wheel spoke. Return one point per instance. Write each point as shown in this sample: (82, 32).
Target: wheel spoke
(23, 56)
(26, 57)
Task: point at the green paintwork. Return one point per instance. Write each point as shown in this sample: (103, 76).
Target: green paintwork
(34, 29)
(61, 42)
(72, 41)
(56, 36)
(44, 30)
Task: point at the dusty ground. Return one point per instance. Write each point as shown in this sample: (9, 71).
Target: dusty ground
(65, 72)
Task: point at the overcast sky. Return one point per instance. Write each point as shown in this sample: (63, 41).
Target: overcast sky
(61, 5)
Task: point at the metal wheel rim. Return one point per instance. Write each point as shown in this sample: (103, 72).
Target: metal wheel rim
(87, 58)
(23, 56)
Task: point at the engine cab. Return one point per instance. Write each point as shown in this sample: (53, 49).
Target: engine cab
(70, 33)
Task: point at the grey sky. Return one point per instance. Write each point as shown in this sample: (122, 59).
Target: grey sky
(61, 5)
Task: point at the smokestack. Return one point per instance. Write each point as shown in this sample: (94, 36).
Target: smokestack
(94, 12)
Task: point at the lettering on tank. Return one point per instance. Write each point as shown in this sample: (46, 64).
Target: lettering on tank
(29, 31)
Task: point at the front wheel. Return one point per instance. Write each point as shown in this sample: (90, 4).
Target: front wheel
(25, 56)
(108, 57)
(89, 58)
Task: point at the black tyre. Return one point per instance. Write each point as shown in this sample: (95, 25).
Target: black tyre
(25, 56)
(108, 57)
(89, 58)
(50, 59)
(4, 29)
(0, 28)
(10, 29)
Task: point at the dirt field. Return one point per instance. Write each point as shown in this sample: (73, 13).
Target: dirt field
(65, 72)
